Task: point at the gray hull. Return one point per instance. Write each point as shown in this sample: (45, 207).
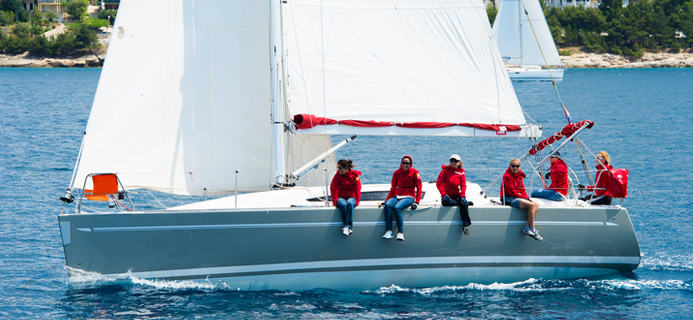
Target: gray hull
(303, 248)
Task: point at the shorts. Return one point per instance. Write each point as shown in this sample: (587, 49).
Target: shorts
(513, 202)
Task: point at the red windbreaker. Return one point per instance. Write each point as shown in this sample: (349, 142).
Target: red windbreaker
(559, 177)
(406, 183)
(602, 187)
(346, 186)
(452, 182)
(513, 184)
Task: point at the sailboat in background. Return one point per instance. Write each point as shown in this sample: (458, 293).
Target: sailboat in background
(525, 42)
(238, 96)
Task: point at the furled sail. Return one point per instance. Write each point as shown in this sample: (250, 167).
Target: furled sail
(515, 38)
(397, 67)
(184, 98)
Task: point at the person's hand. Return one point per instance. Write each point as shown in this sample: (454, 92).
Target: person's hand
(581, 187)
(447, 197)
(548, 174)
(414, 206)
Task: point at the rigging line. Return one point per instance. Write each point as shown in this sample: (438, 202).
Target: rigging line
(558, 95)
(324, 95)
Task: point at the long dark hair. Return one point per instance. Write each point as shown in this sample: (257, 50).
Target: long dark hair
(345, 164)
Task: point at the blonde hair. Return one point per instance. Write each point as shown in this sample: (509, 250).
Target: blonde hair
(605, 156)
(513, 160)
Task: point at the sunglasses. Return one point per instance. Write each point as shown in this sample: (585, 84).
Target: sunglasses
(598, 158)
(454, 160)
(339, 168)
(515, 165)
(406, 162)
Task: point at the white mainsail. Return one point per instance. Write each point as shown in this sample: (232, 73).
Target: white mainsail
(399, 61)
(515, 38)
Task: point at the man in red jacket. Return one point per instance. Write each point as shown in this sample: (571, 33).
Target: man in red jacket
(452, 185)
(513, 193)
(558, 173)
(405, 191)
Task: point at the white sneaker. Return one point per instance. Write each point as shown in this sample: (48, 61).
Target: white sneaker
(387, 235)
(345, 231)
(400, 236)
(351, 230)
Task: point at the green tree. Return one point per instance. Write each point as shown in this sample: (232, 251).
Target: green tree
(86, 38)
(23, 16)
(21, 30)
(40, 46)
(6, 18)
(49, 15)
(16, 45)
(11, 5)
(64, 43)
(76, 8)
(492, 13)
(104, 14)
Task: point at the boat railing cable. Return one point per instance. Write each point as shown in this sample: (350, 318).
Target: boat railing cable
(527, 154)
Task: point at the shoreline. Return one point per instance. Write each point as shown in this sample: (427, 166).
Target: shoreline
(576, 61)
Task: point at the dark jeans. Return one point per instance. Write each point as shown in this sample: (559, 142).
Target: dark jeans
(598, 200)
(464, 208)
(346, 206)
(396, 205)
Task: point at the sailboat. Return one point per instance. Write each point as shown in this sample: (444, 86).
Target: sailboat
(525, 42)
(237, 99)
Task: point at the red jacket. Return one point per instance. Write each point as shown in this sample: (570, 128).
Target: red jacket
(559, 177)
(406, 183)
(452, 182)
(513, 184)
(602, 179)
(346, 186)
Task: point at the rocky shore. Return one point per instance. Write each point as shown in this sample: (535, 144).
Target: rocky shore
(25, 61)
(648, 60)
(577, 60)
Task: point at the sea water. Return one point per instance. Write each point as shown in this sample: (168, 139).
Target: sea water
(643, 118)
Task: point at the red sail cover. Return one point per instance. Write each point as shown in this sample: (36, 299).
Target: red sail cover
(618, 183)
(307, 121)
(566, 132)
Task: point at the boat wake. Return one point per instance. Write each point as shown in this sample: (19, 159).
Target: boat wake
(539, 285)
(662, 262)
(82, 279)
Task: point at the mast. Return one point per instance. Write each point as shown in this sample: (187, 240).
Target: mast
(278, 114)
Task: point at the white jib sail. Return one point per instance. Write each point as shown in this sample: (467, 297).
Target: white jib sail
(184, 98)
(515, 38)
(400, 61)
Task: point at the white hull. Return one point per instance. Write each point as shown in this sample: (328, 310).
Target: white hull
(534, 74)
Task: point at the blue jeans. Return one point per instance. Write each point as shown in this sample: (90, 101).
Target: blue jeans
(547, 194)
(396, 205)
(346, 206)
(464, 208)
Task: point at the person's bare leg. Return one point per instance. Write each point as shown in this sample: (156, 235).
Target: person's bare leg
(532, 208)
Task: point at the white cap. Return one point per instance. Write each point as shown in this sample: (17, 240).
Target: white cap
(456, 157)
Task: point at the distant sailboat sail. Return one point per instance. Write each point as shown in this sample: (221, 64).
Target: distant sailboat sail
(516, 38)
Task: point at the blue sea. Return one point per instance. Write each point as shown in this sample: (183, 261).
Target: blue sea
(643, 118)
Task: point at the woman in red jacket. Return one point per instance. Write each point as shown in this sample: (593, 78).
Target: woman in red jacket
(346, 193)
(513, 193)
(452, 185)
(601, 193)
(405, 191)
(558, 173)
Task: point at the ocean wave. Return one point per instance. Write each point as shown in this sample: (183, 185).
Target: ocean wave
(80, 278)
